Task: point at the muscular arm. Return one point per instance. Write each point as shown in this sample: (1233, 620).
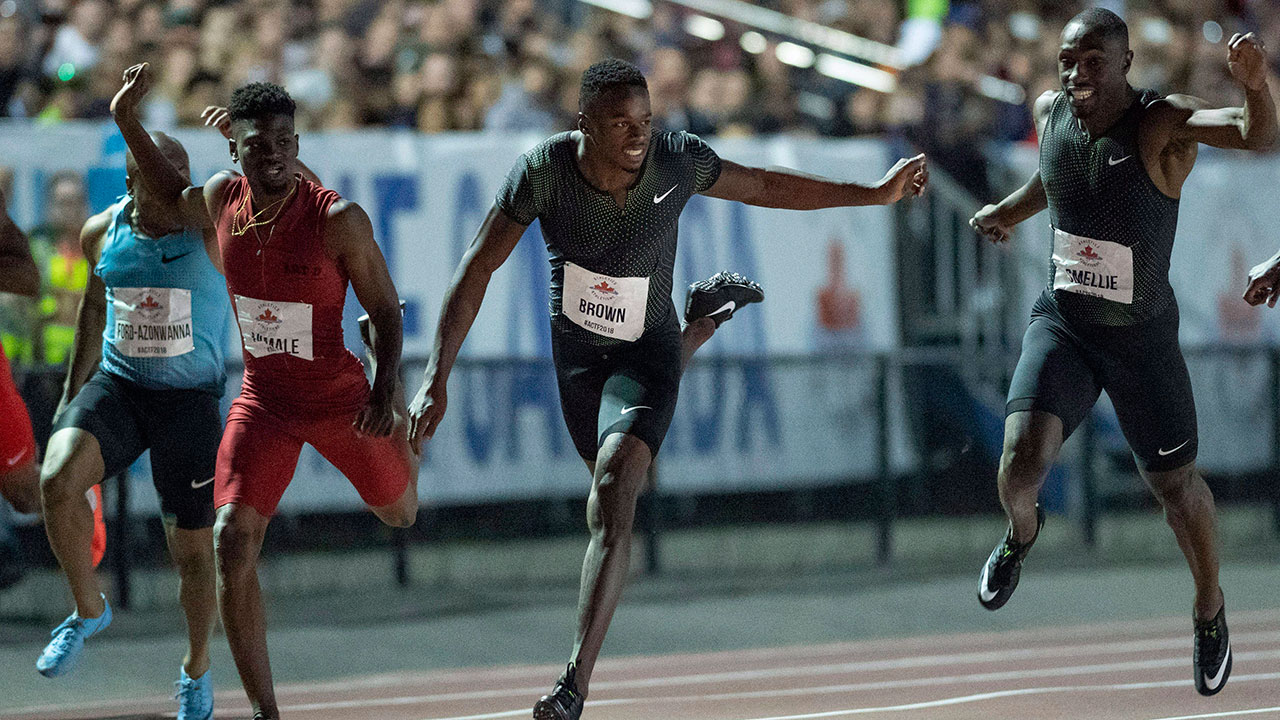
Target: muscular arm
(494, 242)
(996, 221)
(778, 187)
(18, 272)
(349, 234)
(91, 318)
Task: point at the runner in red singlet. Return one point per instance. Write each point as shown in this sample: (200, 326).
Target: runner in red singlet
(288, 248)
(19, 472)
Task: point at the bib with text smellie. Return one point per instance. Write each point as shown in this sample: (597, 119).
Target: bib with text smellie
(270, 327)
(608, 306)
(151, 322)
(1092, 267)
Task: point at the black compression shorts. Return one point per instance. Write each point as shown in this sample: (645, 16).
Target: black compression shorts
(629, 388)
(181, 427)
(1065, 365)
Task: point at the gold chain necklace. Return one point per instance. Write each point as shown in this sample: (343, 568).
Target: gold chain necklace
(239, 227)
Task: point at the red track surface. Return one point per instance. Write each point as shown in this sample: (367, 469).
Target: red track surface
(1102, 672)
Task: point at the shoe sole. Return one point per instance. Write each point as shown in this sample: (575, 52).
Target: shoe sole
(1003, 595)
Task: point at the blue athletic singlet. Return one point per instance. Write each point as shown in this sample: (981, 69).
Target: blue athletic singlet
(168, 315)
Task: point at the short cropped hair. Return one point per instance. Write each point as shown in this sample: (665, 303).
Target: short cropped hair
(608, 75)
(260, 100)
(1106, 23)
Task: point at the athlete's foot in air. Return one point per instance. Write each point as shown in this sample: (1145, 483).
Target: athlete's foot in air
(1004, 566)
(564, 702)
(720, 296)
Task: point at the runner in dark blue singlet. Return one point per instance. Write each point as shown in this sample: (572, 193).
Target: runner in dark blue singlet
(609, 196)
(1112, 163)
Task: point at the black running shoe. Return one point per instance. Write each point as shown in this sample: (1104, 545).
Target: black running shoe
(363, 322)
(1000, 574)
(720, 296)
(1211, 658)
(564, 702)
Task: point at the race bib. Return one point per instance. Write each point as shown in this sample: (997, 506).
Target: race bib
(1092, 267)
(608, 306)
(270, 327)
(151, 322)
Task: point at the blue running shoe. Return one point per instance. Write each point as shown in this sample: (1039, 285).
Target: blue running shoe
(62, 652)
(195, 697)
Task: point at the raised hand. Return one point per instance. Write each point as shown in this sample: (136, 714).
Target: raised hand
(137, 81)
(1247, 61)
(217, 117)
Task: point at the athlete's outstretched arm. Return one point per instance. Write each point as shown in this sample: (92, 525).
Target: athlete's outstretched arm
(494, 242)
(349, 235)
(996, 221)
(1252, 127)
(18, 272)
(160, 176)
(778, 187)
(91, 317)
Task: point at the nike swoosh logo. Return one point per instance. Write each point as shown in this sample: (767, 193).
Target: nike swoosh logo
(166, 259)
(635, 407)
(1170, 452)
(1213, 682)
(1113, 161)
(197, 485)
(14, 460)
(727, 306)
(987, 595)
(659, 198)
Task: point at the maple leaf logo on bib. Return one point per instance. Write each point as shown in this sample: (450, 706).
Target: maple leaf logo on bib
(268, 318)
(149, 309)
(604, 288)
(1088, 253)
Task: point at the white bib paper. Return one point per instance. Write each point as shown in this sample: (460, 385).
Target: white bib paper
(608, 306)
(151, 322)
(1092, 267)
(270, 327)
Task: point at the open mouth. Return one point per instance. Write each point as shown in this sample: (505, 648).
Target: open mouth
(275, 172)
(634, 152)
(1080, 93)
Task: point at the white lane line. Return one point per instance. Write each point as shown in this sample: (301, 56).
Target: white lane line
(1229, 713)
(525, 711)
(1050, 672)
(1002, 694)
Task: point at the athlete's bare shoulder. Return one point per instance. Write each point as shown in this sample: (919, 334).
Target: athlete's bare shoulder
(213, 189)
(346, 225)
(1041, 108)
(92, 232)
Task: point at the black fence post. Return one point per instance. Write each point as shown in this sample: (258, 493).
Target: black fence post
(885, 481)
(400, 555)
(1089, 482)
(1275, 438)
(120, 555)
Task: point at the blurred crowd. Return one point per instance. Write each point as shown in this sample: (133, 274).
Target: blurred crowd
(438, 65)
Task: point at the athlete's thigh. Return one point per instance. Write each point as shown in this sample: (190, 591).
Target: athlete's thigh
(256, 457)
(99, 432)
(184, 429)
(580, 376)
(378, 467)
(639, 396)
(1151, 390)
(19, 475)
(1053, 375)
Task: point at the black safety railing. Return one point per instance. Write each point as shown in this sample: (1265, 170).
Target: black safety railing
(885, 371)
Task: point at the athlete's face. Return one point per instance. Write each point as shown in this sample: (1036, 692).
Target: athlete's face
(266, 149)
(1092, 69)
(617, 126)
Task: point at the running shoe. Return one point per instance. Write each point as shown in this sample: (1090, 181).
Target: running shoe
(62, 652)
(363, 323)
(99, 543)
(564, 702)
(720, 296)
(194, 696)
(1000, 574)
(1211, 658)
